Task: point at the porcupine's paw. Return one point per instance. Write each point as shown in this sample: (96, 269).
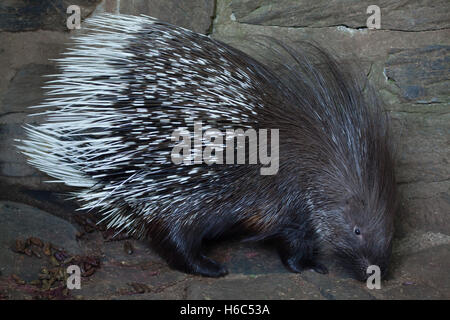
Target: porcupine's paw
(299, 265)
(207, 267)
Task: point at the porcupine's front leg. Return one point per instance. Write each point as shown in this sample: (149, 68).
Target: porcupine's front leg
(184, 254)
(297, 247)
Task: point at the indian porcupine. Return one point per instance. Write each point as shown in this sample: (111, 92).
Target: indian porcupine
(126, 86)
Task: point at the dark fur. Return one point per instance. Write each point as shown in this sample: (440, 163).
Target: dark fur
(309, 101)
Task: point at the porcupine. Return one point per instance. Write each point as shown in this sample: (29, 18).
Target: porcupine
(129, 83)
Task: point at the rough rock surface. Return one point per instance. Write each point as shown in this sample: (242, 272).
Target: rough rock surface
(195, 15)
(19, 221)
(407, 60)
(408, 63)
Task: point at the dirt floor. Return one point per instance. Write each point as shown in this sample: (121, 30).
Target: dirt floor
(36, 248)
(407, 61)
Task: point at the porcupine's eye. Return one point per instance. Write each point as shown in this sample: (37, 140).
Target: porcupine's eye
(357, 231)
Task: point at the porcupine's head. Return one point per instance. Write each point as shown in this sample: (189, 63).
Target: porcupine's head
(348, 174)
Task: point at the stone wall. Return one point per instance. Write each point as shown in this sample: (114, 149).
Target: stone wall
(408, 61)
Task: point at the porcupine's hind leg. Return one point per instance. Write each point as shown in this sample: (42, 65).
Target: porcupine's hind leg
(297, 247)
(183, 253)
